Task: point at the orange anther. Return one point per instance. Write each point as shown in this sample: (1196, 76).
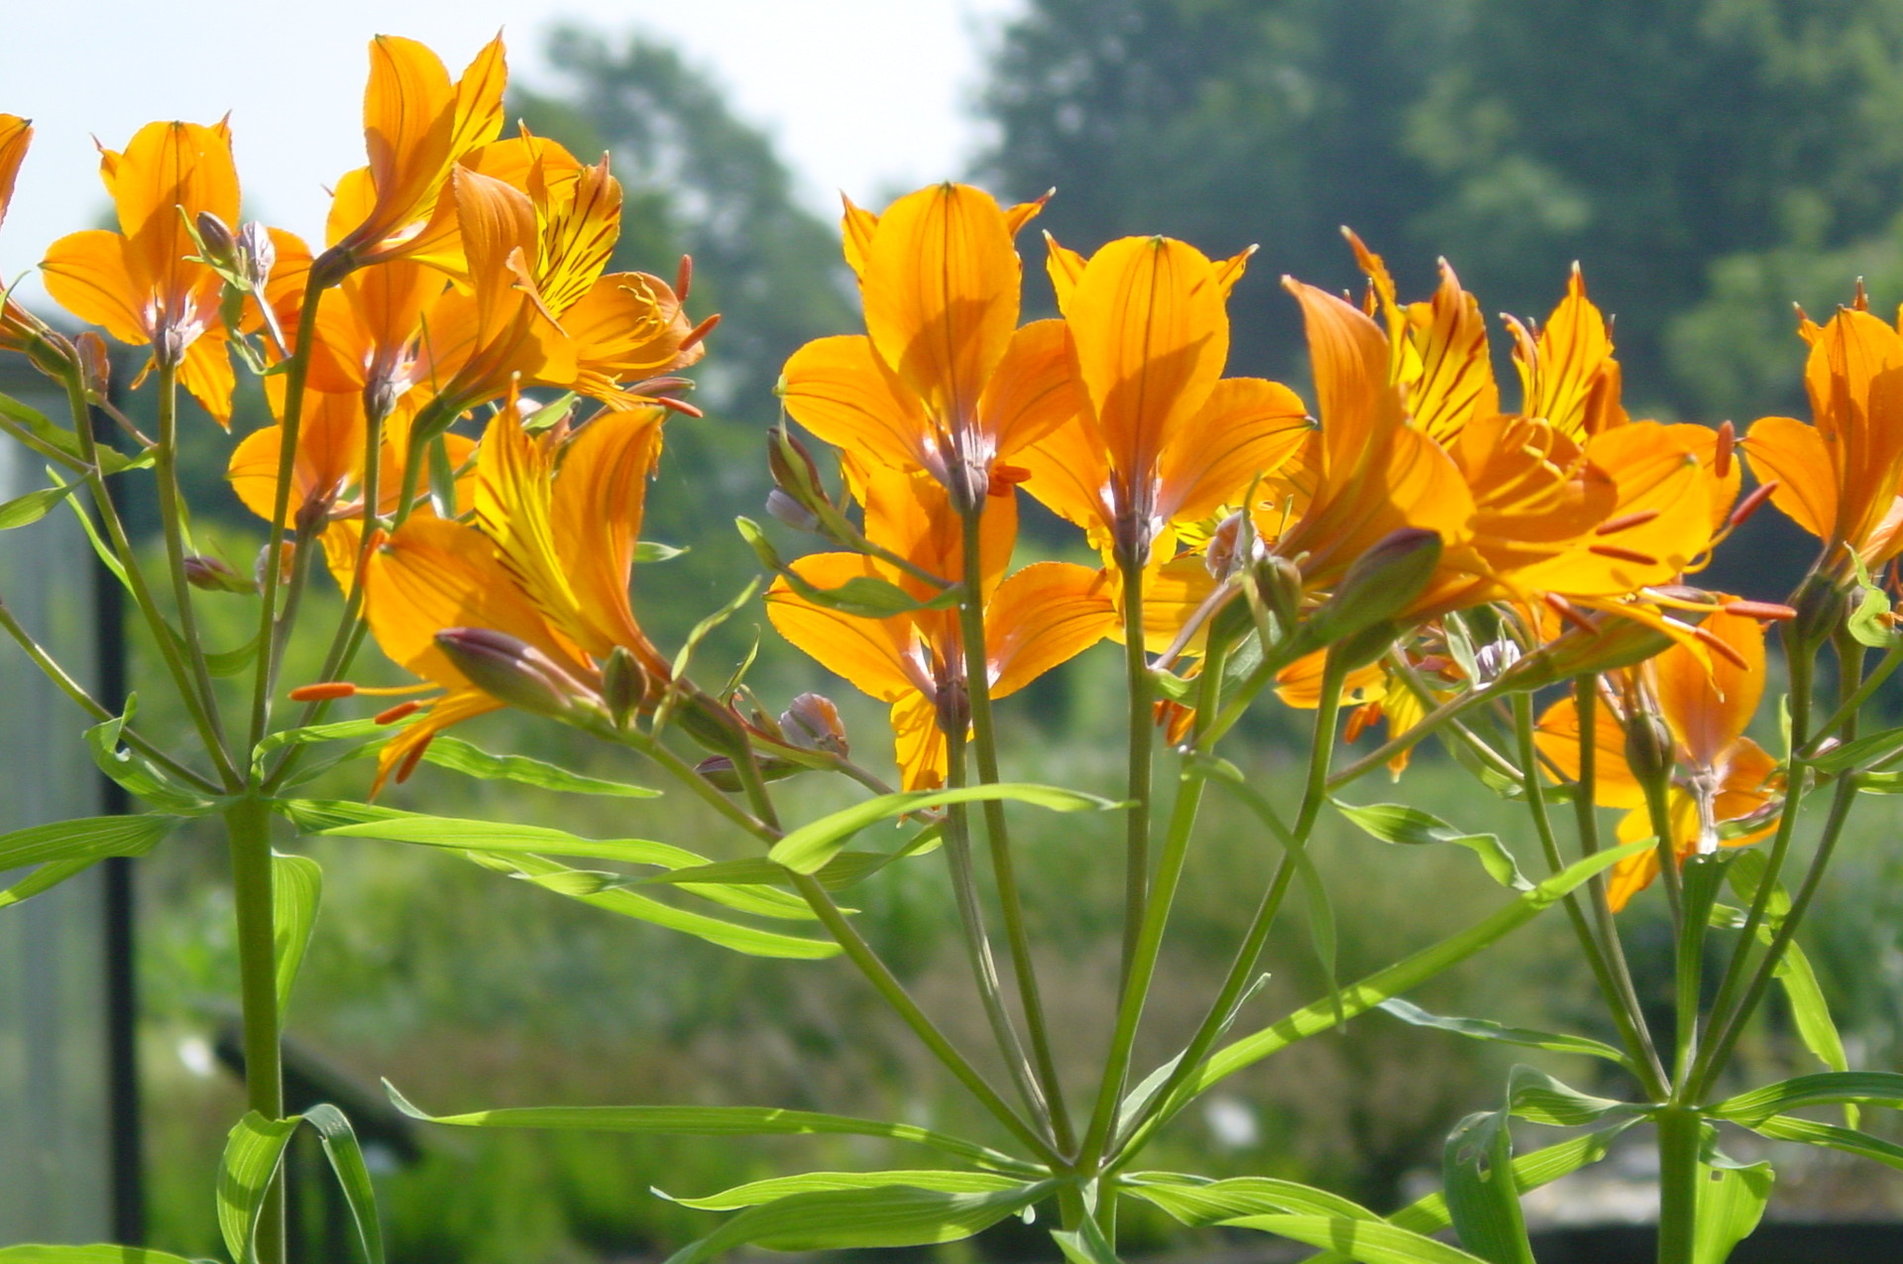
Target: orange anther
(680, 406)
(323, 691)
(1625, 522)
(1719, 647)
(1751, 504)
(1618, 554)
(700, 331)
(684, 278)
(1727, 440)
(402, 710)
(1759, 609)
(1564, 609)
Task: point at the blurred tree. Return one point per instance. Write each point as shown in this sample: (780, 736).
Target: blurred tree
(1709, 151)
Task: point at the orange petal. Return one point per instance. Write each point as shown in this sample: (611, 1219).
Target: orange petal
(1708, 706)
(86, 273)
(875, 655)
(920, 743)
(856, 227)
(1791, 454)
(1033, 390)
(596, 522)
(1070, 476)
(1248, 428)
(838, 389)
(941, 295)
(1557, 739)
(15, 135)
(1043, 616)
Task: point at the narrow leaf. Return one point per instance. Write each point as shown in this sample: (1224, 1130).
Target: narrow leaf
(297, 888)
(712, 1121)
(44, 878)
(33, 506)
(472, 761)
(1370, 1242)
(346, 1161)
(809, 847)
(754, 1193)
(1085, 1245)
(1477, 1172)
(253, 1152)
(101, 1253)
(1826, 1088)
(1731, 1199)
(1487, 1029)
(1534, 1095)
(846, 1219)
(86, 838)
(1405, 826)
(1197, 1202)
(1813, 1132)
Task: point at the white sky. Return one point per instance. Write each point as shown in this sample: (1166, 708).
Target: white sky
(868, 96)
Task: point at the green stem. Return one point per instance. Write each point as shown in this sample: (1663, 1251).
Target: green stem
(1621, 1004)
(1586, 823)
(1724, 1003)
(1142, 737)
(248, 827)
(1446, 712)
(1851, 704)
(1658, 810)
(290, 428)
(53, 671)
(1679, 1139)
(1398, 664)
(1003, 867)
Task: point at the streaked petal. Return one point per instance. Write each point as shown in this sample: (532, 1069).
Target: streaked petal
(1033, 390)
(840, 390)
(1248, 428)
(1044, 616)
(86, 274)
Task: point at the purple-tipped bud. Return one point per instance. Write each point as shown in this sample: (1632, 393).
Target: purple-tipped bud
(796, 479)
(219, 244)
(517, 673)
(624, 685)
(1648, 749)
(213, 575)
(1223, 553)
(1378, 586)
(812, 721)
(783, 507)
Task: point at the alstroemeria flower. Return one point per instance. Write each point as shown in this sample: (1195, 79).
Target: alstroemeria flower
(1719, 776)
(1162, 439)
(1036, 619)
(417, 126)
(140, 282)
(20, 329)
(943, 380)
(546, 564)
(1839, 478)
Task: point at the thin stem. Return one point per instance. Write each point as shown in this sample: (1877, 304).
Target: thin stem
(52, 452)
(1397, 662)
(1724, 1002)
(1003, 866)
(248, 827)
(1621, 1004)
(1430, 723)
(984, 968)
(50, 667)
(1658, 810)
(1852, 703)
(290, 427)
(1586, 823)
(172, 527)
(1142, 737)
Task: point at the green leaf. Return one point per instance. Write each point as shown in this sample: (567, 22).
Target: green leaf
(253, 1152)
(297, 888)
(809, 847)
(1825, 1088)
(1534, 1095)
(346, 1161)
(472, 761)
(747, 939)
(335, 731)
(231, 662)
(1402, 976)
(1848, 1140)
(713, 1121)
(33, 506)
(1477, 1172)
(1731, 1199)
(700, 632)
(1405, 826)
(136, 774)
(86, 838)
(320, 816)
(1197, 1202)
(1085, 1245)
(98, 1254)
(44, 878)
(846, 1219)
(101, 549)
(1865, 625)
(1487, 1029)
(61, 439)
(1370, 1242)
(1859, 753)
(464, 835)
(754, 1193)
(650, 551)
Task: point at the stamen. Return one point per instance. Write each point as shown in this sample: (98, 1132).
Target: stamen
(1618, 554)
(1727, 440)
(401, 711)
(323, 691)
(684, 278)
(1564, 609)
(1625, 522)
(699, 331)
(1750, 505)
(1759, 609)
(680, 406)
(411, 760)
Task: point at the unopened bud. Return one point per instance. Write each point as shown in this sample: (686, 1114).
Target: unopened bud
(512, 671)
(1279, 582)
(1607, 643)
(95, 363)
(220, 246)
(713, 725)
(1821, 607)
(214, 575)
(287, 563)
(1378, 585)
(813, 722)
(1648, 749)
(1222, 554)
(50, 352)
(785, 509)
(794, 472)
(624, 685)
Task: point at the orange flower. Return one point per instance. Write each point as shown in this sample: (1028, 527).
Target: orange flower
(1162, 439)
(1720, 775)
(545, 566)
(417, 126)
(20, 330)
(1839, 478)
(1036, 619)
(140, 282)
(943, 380)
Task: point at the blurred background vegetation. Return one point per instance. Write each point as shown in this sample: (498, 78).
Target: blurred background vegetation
(1708, 161)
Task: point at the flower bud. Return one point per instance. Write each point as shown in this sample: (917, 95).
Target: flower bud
(220, 246)
(213, 575)
(517, 673)
(789, 511)
(1223, 553)
(1607, 643)
(624, 685)
(794, 473)
(813, 722)
(1822, 607)
(1648, 748)
(713, 725)
(1378, 585)
(95, 363)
